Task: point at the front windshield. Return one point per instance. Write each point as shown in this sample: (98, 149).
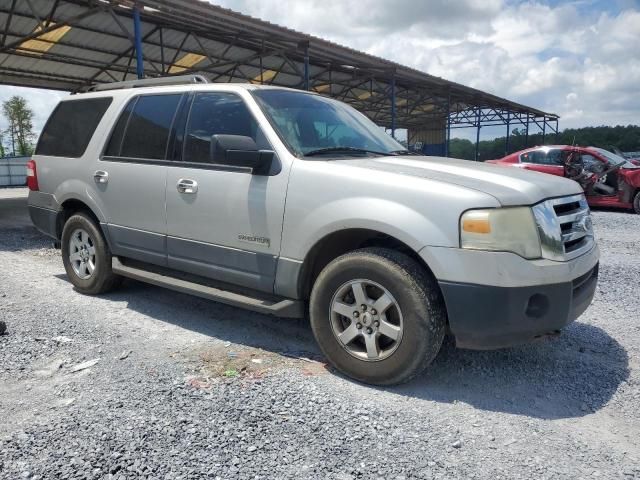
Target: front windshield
(313, 124)
(615, 160)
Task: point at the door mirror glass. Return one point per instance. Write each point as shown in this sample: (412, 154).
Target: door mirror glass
(240, 151)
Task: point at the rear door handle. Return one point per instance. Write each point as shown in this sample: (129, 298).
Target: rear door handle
(100, 176)
(186, 185)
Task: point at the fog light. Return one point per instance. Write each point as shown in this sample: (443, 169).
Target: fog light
(537, 306)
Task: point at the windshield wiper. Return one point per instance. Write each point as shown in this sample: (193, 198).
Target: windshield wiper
(404, 152)
(320, 151)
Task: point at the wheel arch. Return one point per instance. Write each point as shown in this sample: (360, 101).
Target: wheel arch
(71, 206)
(337, 243)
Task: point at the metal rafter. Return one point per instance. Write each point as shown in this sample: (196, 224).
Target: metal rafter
(235, 48)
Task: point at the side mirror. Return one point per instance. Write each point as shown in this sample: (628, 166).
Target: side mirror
(240, 151)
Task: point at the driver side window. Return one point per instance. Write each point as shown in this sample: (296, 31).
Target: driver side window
(215, 113)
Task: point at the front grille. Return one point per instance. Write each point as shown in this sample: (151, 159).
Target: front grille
(575, 223)
(565, 227)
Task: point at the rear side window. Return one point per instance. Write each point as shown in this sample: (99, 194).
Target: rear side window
(70, 127)
(142, 131)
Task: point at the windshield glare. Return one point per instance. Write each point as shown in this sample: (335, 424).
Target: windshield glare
(308, 123)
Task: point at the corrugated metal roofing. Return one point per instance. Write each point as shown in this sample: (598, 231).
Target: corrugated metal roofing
(70, 44)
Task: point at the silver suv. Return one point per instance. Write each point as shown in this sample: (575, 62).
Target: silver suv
(287, 202)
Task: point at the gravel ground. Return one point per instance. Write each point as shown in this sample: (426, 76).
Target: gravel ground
(148, 383)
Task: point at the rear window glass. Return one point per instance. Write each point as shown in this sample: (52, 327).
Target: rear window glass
(70, 127)
(147, 130)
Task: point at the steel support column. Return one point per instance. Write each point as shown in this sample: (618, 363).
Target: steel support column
(477, 157)
(544, 128)
(305, 80)
(506, 140)
(447, 133)
(137, 35)
(393, 106)
(526, 135)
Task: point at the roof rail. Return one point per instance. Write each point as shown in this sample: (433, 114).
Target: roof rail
(150, 82)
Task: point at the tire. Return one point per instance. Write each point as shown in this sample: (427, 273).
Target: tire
(636, 202)
(416, 313)
(96, 276)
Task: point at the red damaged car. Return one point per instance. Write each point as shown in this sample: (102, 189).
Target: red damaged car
(608, 180)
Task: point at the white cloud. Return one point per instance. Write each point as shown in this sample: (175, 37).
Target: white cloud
(530, 51)
(568, 58)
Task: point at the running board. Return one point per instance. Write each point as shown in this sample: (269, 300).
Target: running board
(280, 307)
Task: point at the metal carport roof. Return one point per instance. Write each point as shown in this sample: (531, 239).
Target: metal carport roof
(71, 44)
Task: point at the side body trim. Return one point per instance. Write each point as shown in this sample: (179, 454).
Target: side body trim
(138, 244)
(240, 267)
(288, 276)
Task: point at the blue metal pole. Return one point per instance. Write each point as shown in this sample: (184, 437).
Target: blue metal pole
(393, 106)
(478, 138)
(447, 133)
(137, 34)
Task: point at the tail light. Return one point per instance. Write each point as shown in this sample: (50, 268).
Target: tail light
(32, 176)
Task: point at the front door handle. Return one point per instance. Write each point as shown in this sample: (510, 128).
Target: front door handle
(186, 185)
(100, 176)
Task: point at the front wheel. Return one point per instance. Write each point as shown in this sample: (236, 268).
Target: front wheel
(86, 256)
(636, 202)
(377, 316)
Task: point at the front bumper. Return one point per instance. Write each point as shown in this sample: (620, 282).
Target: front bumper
(488, 317)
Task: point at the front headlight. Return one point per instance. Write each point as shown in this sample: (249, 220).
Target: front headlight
(501, 229)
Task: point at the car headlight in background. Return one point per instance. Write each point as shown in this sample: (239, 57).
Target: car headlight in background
(501, 229)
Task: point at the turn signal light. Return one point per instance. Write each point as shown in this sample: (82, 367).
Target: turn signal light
(476, 222)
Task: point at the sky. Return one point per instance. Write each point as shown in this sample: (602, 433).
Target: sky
(579, 59)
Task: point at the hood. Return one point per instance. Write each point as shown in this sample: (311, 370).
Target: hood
(510, 186)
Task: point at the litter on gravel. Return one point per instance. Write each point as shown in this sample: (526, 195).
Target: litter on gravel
(84, 365)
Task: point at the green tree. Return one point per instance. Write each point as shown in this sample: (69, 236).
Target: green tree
(626, 138)
(20, 119)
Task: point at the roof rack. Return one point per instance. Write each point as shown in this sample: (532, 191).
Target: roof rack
(150, 82)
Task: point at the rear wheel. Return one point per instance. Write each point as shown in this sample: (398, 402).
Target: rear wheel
(377, 316)
(636, 202)
(86, 256)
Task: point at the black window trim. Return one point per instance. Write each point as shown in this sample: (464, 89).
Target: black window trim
(109, 97)
(179, 161)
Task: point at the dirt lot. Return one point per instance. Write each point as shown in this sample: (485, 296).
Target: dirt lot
(147, 383)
